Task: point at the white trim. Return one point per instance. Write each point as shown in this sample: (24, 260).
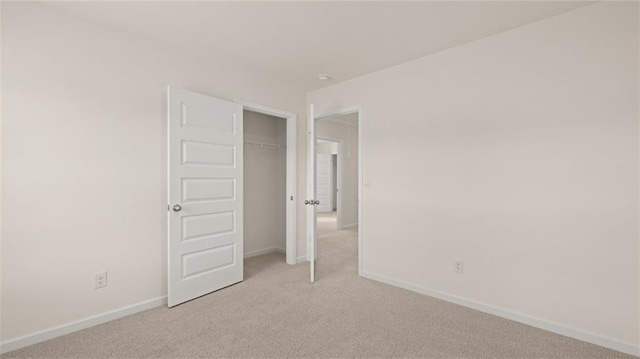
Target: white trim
(265, 110)
(51, 333)
(347, 226)
(345, 111)
(340, 179)
(292, 189)
(341, 122)
(260, 252)
(312, 243)
(553, 327)
(340, 112)
(360, 189)
(301, 259)
(292, 172)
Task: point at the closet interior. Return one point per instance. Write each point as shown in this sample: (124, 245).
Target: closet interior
(265, 161)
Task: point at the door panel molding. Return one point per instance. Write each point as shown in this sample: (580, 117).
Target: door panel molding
(205, 223)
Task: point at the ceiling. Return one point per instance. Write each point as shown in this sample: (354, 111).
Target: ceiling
(295, 41)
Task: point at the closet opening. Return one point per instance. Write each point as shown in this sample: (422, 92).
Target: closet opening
(266, 194)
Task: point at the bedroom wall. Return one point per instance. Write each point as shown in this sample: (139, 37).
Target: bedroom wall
(83, 144)
(518, 154)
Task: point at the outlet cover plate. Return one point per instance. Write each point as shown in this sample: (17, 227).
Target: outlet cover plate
(101, 279)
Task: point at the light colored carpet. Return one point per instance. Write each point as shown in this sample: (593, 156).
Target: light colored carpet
(277, 313)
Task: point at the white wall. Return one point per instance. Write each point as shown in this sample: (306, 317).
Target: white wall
(517, 153)
(83, 150)
(265, 170)
(327, 147)
(349, 136)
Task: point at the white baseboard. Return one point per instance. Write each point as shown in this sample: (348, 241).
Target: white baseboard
(78, 325)
(596, 339)
(301, 259)
(264, 251)
(347, 226)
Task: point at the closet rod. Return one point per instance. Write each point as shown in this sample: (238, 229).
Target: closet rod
(262, 144)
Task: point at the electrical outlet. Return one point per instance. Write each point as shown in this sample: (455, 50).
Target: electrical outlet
(457, 265)
(101, 279)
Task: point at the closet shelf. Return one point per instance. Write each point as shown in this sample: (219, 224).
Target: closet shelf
(262, 144)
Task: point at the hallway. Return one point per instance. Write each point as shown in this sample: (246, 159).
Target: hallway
(337, 249)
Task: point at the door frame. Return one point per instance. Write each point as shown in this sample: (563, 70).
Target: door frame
(339, 179)
(346, 111)
(292, 151)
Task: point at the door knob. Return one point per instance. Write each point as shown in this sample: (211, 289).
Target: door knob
(306, 201)
(316, 202)
(177, 208)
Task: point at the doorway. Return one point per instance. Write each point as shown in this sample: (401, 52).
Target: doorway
(335, 184)
(205, 192)
(265, 200)
(271, 135)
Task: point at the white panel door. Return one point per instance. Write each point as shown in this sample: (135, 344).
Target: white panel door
(311, 193)
(324, 182)
(205, 194)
